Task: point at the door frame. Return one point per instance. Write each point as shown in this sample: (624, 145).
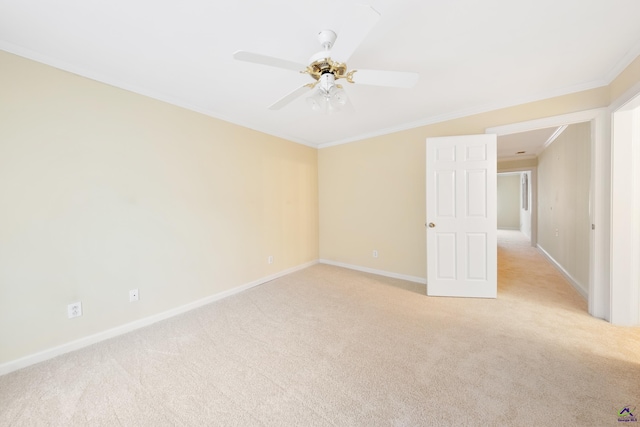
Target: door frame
(625, 211)
(599, 297)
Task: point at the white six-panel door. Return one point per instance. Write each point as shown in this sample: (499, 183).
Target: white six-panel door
(461, 216)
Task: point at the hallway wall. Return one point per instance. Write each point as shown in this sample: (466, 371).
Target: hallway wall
(508, 192)
(564, 170)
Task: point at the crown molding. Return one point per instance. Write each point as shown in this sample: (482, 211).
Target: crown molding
(163, 97)
(468, 112)
(553, 137)
(623, 63)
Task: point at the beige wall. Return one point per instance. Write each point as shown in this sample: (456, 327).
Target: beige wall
(506, 165)
(508, 198)
(627, 79)
(373, 194)
(103, 191)
(372, 198)
(564, 225)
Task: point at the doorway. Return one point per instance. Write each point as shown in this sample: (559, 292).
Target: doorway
(597, 289)
(515, 204)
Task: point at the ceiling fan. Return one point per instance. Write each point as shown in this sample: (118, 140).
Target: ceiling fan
(325, 66)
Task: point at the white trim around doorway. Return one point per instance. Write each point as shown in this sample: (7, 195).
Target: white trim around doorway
(600, 194)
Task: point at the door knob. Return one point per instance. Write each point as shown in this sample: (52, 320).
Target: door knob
(431, 225)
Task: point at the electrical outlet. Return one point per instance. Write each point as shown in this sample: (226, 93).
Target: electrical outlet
(270, 259)
(375, 253)
(74, 310)
(133, 295)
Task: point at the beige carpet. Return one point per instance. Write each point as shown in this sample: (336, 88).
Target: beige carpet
(330, 346)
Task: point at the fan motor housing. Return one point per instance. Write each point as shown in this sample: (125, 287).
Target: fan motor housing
(326, 65)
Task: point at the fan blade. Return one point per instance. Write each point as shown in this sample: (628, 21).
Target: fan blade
(363, 19)
(257, 58)
(290, 97)
(385, 78)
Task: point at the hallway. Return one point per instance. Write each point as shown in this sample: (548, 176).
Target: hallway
(525, 274)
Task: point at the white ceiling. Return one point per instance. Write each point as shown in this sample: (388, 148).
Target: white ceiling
(526, 144)
(471, 55)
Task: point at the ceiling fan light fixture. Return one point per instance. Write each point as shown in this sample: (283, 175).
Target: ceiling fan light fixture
(327, 81)
(316, 101)
(328, 97)
(338, 97)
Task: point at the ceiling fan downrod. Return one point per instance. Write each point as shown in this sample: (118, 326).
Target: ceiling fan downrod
(327, 38)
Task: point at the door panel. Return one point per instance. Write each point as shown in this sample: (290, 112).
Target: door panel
(446, 245)
(446, 193)
(461, 212)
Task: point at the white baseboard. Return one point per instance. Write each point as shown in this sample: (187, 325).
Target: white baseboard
(415, 279)
(583, 292)
(50, 353)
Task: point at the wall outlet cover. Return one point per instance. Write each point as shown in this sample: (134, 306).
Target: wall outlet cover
(74, 310)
